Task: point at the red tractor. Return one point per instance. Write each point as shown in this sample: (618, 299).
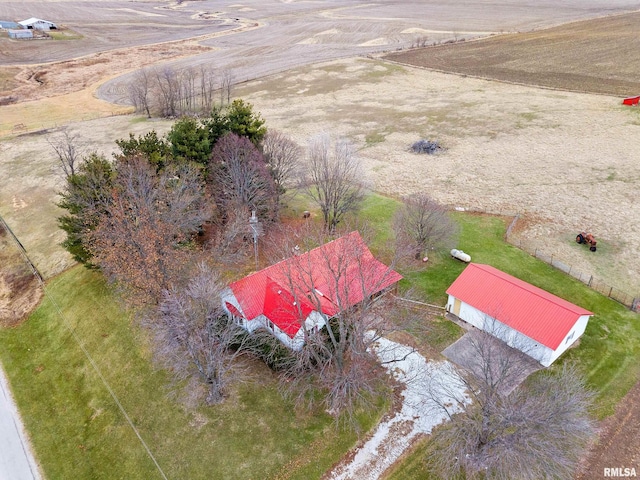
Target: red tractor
(587, 239)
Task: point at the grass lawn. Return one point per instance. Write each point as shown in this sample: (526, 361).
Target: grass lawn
(78, 431)
(608, 352)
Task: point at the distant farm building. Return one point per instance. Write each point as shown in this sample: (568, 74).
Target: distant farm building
(525, 317)
(631, 100)
(38, 24)
(20, 34)
(7, 25)
(298, 295)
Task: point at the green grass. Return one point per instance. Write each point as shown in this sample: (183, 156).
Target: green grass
(78, 431)
(608, 352)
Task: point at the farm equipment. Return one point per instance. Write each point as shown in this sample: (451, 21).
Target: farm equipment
(587, 239)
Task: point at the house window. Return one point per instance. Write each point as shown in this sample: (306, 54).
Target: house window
(570, 337)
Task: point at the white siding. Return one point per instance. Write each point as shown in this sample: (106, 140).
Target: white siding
(573, 335)
(541, 353)
(315, 319)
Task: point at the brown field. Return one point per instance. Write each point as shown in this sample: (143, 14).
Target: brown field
(618, 444)
(102, 25)
(594, 56)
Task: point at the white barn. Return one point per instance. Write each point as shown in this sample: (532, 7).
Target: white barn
(37, 24)
(525, 317)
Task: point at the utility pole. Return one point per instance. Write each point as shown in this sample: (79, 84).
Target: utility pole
(256, 230)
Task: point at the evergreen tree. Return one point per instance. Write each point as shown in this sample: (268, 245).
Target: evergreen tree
(86, 196)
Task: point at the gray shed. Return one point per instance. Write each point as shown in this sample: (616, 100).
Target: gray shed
(6, 24)
(21, 34)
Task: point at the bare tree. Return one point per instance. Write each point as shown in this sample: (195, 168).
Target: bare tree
(138, 243)
(207, 88)
(188, 92)
(168, 88)
(226, 86)
(140, 91)
(67, 151)
(194, 339)
(538, 430)
(240, 178)
(283, 157)
(333, 179)
(228, 236)
(422, 224)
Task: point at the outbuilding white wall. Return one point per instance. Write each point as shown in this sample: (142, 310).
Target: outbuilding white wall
(575, 333)
(543, 354)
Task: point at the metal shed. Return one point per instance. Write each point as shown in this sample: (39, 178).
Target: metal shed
(38, 24)
(21, 34)
(7, 24)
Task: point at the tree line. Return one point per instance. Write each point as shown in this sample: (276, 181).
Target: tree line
(166, 92)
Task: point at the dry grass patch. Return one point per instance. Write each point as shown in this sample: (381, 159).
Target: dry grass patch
(20, 291)
(50, 112)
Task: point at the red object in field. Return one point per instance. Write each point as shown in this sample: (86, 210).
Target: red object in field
(631, 100)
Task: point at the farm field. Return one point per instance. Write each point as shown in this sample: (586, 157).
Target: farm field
(565, 161)
(594, 56)
(251, 39)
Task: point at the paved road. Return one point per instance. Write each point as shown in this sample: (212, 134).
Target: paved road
(16, 460)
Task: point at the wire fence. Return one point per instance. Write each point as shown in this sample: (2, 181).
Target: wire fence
(630, 301)
(4, 228)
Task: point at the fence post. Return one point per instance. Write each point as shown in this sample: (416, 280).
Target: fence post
(590, 278)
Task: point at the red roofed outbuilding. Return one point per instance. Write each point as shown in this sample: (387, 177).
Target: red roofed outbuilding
(307, 289)
(526, 317)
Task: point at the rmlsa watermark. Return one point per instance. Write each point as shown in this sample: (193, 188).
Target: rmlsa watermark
(619, 472)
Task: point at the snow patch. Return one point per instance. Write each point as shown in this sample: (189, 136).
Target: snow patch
(419, 413)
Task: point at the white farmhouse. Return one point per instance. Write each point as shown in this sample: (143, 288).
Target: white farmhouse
(525, 317)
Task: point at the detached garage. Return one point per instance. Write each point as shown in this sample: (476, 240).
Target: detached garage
(525, 317)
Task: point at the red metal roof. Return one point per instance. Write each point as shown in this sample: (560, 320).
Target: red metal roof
(538, 314)
(330, 278)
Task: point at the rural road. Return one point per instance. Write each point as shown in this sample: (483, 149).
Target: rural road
(16, 460)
